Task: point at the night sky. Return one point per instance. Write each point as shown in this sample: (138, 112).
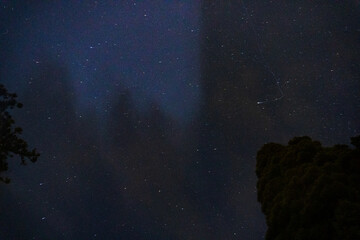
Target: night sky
(148, 114)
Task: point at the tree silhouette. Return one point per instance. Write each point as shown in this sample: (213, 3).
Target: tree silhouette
(10, 143)
(308, 191)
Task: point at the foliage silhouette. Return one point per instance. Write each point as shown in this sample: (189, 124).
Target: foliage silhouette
(10, 143)
(308, 191)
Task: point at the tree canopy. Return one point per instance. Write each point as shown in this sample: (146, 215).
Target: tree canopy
(10, 142)
(308, 191)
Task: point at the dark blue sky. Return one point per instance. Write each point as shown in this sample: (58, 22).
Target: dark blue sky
(148, 114)
(150, 48)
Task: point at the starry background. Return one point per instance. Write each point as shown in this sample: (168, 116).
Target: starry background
(146, 113)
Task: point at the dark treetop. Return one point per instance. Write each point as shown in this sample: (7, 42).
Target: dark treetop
(10, 143)
(308, 191)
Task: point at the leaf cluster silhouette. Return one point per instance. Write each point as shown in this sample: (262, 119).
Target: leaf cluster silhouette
(10, 142)
(308, 191)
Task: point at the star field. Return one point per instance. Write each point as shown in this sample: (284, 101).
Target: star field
(148, 114)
